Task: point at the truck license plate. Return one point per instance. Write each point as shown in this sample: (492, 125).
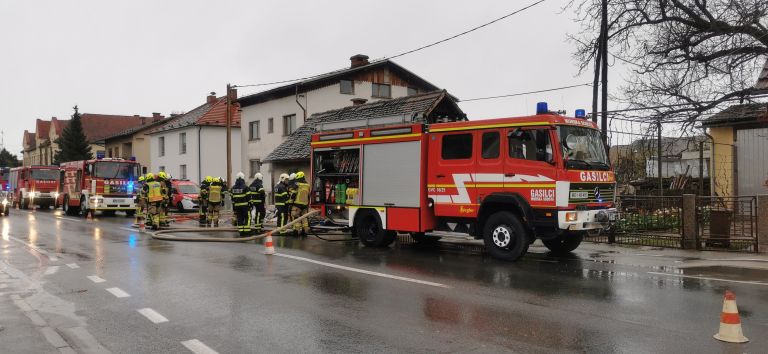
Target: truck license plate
(579, 195)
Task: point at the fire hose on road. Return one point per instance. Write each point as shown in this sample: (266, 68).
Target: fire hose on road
(165, 234)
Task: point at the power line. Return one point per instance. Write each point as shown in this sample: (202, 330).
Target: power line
(412, 50)
(525, 93)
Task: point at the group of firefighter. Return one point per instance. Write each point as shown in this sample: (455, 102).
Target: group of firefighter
(248, 202)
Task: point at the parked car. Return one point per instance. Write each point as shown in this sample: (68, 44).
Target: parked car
(5, 202)
(184, 194)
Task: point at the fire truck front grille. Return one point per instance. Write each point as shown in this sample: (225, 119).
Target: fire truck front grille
(585, 193)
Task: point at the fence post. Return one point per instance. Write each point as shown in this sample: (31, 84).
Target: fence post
(762, 223)
(688, 240)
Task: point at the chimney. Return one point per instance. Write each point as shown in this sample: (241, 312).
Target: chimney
(156, 116)
(358, 60)
(358, 101)
(211, 98)
(143, 120)
(233, 94)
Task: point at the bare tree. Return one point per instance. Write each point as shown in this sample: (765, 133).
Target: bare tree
(688, 55)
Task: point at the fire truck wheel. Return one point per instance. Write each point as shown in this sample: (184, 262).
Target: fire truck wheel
(370, 232)
(564, 243)
(505, 237)
(24, 204)
(422, 238)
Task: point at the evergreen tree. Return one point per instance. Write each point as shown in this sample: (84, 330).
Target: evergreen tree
(72, 142)
(8, 160)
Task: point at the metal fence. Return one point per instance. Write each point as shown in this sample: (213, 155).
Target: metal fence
(727, 223)
(645, 221)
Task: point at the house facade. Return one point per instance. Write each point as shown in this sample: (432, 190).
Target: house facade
(270, 117)
(192, 145)
(40, 146)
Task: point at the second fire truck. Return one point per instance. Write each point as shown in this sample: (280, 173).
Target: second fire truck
(506, 181)
(34, 186)
(105, 185)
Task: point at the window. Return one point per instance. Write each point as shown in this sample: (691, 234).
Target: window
(412, 91)
(271, 125)
(491, 143)
(531, 145)
(182, 143)
(254, 132)
(255, 166)
(162, 169)
(347, 87)
(456, 147)
(381, 90)
(183, 171)
(289, 124)
(161, 142)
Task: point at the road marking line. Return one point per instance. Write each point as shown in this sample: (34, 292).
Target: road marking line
(118, 292)
(198, 347)
(30, 246)
(73, 265)
(152, 315)
(128, 229)
(53, 337)
(51, 270)
(383, 275)
(53, 258)
(96, 279)
(708, 278)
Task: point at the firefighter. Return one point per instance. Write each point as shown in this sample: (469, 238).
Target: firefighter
(165, 182)
(141, 201)
(153, 191)
(291, 195)
(257, 197)
(281, 197)
(215, 199)
(241, 205)
(202, 201)
(300, 204)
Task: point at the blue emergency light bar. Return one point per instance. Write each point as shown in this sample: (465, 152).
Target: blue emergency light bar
(541, 108)
(580, 113)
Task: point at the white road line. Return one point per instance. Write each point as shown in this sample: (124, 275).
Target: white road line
(96, 279)
(383, 275)
(152, 315)
(118, 292)
(198, 347)
(73, 265)
(708, 278)
(53, 258)
(128, 229)
(51, 270)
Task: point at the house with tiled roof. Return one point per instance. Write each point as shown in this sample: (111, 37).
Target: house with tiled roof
(193, 145)
(271, 116)
(739, 163)
(41, 149)
(293, 154)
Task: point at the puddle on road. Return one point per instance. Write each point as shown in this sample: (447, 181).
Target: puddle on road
(726, 272)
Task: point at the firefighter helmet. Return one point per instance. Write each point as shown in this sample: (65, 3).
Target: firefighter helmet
(150, 176)
(240, 175)
(292, 177)
(208, 179)
(258, 176)
(141, 178)
(283, 177)
(299, 175)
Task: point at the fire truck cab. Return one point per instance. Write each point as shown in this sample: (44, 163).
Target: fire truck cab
(103, 184)
(34, 186)
(507, 181)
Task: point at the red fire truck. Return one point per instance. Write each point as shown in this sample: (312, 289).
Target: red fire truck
(507, 181)
(34, 185)
(104, 184)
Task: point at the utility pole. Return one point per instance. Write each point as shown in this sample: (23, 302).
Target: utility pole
(229, 133)
(596, 80)
(604, 64)
(658, 156)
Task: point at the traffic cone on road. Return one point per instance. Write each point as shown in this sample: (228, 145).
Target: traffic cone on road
(730, 324)
(89, 215)
(269, 247)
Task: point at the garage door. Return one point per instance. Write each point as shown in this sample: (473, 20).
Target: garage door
(752, 160)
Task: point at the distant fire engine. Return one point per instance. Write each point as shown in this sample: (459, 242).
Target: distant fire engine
(34, 185)
(507, 181)
(105, 184)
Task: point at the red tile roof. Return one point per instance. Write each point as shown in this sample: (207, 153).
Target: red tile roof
(42, 127)
(99, 126)
(217, 115)
(59, 124)
(29, 138)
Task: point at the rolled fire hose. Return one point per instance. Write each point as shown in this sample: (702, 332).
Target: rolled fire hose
(165, 234)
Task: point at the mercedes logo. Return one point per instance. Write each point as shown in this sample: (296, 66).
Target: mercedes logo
(597, 192)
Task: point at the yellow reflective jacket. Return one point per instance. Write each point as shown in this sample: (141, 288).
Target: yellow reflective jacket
(154, 192)
(302, 194)
(214, 193)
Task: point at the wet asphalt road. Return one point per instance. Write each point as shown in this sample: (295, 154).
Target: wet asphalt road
(319, 296)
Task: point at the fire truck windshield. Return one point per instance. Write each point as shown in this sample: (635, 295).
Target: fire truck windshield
(110, 170)
(582, 148)
(47, 175)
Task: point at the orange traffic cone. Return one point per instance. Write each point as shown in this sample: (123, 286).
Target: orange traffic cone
(89, 215)
(269, 247)
(730, 324)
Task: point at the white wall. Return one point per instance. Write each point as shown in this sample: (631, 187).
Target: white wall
(173, 158)
(316, 101)
(213, 152)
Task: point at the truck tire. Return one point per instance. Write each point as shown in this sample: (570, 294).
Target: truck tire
(505, 237)
(564, 243)
(24, 204)
(368, 228)
(424, 239)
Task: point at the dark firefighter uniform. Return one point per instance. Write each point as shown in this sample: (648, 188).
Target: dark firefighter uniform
(281, 197)
(241, 206)
(257, 196)
(300, 204)
(215, 199)
(202, 201)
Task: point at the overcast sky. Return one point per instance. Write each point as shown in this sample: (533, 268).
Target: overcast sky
(139, 57)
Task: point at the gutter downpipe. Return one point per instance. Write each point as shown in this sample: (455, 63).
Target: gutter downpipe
(302, 107)
(712, 163)
(199, 159)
